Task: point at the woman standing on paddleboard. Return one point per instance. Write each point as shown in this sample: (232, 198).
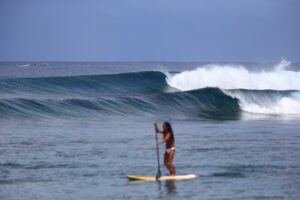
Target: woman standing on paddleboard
(168, 138)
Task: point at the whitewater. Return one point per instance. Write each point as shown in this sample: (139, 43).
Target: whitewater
(234, 80)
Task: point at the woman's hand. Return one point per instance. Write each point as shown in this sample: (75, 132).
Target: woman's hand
(161, 142)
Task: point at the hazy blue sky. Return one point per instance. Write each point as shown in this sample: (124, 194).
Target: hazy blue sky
(149, 30)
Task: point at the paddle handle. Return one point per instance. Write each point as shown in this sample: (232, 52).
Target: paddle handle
(158, 175)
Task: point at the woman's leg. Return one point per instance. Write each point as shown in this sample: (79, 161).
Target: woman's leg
(166, 161)
(170, 163)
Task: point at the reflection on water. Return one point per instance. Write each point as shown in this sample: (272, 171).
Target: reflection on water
(170, 187)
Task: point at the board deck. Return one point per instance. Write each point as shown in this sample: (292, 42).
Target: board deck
(162, 178)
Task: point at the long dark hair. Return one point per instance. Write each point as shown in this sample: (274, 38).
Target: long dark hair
(168, 128)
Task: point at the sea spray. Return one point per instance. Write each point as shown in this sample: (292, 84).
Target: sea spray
(236, 77)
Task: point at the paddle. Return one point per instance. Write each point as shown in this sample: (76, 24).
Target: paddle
(158, 175)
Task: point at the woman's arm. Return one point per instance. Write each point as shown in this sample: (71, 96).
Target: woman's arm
(168, 136)
(157, 129)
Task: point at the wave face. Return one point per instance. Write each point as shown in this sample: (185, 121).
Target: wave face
(214, 92)
(206, 103)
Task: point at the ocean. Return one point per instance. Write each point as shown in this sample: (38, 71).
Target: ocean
(76, 130)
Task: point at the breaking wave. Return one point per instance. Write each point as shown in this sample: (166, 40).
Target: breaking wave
(274, 91)
(212, 91)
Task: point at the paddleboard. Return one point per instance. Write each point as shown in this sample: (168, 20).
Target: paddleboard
(162, 178)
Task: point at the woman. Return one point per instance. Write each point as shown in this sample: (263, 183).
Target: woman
(169, 139)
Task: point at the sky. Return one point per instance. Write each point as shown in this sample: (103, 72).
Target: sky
(150, 30)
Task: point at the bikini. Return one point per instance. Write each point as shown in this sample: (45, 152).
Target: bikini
(170, 149)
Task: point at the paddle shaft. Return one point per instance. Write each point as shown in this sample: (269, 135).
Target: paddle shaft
(158, 175)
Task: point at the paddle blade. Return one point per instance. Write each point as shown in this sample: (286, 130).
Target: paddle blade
(158, 175)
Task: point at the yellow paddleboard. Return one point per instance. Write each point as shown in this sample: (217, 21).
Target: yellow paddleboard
(163, 178)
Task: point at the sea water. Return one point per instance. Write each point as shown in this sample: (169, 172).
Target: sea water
(76, 130)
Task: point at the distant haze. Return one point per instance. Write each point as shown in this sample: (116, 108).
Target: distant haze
(149, 30)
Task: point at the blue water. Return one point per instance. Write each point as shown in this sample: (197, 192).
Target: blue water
(75, 130)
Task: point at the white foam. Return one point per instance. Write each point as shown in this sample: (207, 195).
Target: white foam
(236, 77)
(283, 106)
(277, 105)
